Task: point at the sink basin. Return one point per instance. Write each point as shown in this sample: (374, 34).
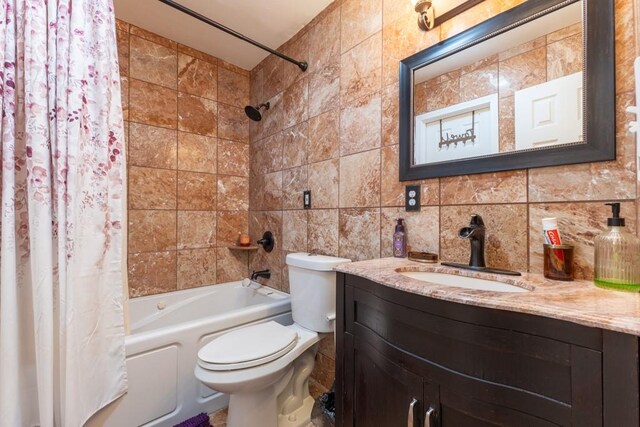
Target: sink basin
(463, 281)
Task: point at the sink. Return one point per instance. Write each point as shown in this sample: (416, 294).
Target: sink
(463, 281)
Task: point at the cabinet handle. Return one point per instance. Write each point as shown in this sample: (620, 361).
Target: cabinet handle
(427, 417)
(412, 406)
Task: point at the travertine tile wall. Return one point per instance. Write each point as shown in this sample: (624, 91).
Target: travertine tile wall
(188, 148)
(334, 130)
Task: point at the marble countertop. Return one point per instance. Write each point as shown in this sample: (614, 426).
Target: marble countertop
(579, 301)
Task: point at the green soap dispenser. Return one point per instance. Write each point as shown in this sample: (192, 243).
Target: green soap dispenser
(617, 255)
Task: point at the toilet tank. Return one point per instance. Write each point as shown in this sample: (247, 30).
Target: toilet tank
(312, 285)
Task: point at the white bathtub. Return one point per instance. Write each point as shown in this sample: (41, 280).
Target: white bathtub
(166, 333)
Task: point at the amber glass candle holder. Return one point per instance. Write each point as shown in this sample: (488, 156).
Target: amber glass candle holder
(558, 262)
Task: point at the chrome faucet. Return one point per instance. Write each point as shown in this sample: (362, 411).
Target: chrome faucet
(475, 232)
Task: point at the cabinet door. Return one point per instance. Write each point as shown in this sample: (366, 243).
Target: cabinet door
(460, 410)
(384, 393)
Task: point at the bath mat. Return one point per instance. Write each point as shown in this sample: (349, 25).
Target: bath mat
(200, 420)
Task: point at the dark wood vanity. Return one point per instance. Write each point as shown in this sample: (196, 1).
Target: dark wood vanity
(411, 360)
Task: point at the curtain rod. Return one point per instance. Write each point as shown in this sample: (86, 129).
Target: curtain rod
(302, 64)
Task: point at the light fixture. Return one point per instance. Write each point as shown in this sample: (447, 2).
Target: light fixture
(427, 18)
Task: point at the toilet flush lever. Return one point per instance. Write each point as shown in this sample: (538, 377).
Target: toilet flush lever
(331, 317)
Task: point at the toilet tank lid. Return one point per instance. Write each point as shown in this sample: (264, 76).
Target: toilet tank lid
(315, 262)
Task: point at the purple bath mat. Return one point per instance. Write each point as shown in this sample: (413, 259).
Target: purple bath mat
(200, 420)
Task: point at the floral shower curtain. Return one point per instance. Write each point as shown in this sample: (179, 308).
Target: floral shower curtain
(63, 169)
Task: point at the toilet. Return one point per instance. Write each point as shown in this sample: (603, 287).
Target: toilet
(265, 368)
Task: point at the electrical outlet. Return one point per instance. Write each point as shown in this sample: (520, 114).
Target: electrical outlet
(306, 199)
(412, 198)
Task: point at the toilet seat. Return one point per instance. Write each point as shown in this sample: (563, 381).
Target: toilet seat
(248, 347)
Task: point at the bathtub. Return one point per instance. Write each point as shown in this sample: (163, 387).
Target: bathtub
(167, 331)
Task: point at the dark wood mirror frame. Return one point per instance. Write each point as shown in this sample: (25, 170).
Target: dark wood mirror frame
(600, 107)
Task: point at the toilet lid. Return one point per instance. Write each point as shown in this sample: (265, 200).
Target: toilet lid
(249, 346)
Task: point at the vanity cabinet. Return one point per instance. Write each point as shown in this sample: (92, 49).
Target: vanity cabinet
(401, 356)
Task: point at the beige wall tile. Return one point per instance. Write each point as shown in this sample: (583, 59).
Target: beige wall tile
(324, 136)
(196, 267)
(499, 187)
(323, 231)
(233, 158)
(298, 48)
(196, 229)
(272, 195)
(152, 273)
(152, 104)
(360, 125)
(324, 89)
(153, 63)
(361, 70)
(360, 20)
(233, 88)
(152, 37)
(294, 182)
(232, 123)
(152, 146)
(267, 154)
(124, 96)
(229, 225)
(324, 41)
(122, 38)
(196, 191)
(197, 153)
(294, 231)
(197, 77)
(151, 231)
(233, 193)
(197, 115)
(152, 188)
(295, 146)
(359, 233)
(360, 180)
(296, 102)
(324, 179)
(231, 265)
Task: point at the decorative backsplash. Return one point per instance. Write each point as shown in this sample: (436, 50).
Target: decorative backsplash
(188, 157)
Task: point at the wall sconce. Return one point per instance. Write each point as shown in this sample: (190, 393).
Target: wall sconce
(427, 18)
(447, 9)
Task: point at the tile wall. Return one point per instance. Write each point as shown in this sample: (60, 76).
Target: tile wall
(188, 154)
(334, 130)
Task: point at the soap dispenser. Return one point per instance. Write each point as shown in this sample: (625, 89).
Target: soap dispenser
(617, 255)
(399, 240)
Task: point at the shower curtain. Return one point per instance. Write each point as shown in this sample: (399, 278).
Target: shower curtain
(63, 169)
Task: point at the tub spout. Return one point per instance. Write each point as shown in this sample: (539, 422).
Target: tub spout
(262, 273)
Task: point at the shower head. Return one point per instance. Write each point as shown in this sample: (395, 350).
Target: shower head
(254, 112)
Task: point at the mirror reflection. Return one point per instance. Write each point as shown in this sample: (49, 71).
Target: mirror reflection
(521, 90)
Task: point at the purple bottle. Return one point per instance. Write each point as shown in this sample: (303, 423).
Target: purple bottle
(399, 240)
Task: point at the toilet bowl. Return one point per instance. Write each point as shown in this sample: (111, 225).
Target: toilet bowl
(265, 368)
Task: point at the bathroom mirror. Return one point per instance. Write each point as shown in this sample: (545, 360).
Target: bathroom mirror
(531, 87)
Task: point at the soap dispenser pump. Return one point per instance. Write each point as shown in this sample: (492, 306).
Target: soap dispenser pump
(617, 255)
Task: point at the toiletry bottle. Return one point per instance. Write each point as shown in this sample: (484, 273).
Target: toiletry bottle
(399, 240)
(617, 255)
